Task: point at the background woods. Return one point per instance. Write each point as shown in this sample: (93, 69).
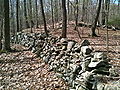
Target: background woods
(28, 12)
(18, 15)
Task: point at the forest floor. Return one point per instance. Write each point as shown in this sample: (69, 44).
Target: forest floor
(23, 70)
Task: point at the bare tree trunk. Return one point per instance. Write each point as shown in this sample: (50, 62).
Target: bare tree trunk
(31, 21)
(64, 23)
(68, 10)
(1, 27)
(103, 13)
(52, 14)
(25, 14)
(17, 14)
(6, 26)
(107, 3)
(83, 10)
(96, 19)
(21, 18)
(1, 22)
(118, 8)
(72, 13)
(43, 15)
(36, 13)
(12, 22)
(118, 5)
(76, 15)
(56, 11)
(59, 10)
(86, 11)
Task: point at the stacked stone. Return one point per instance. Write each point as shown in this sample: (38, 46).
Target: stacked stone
(30, 40)
(95, 65)
(77, 64)
(60, 58)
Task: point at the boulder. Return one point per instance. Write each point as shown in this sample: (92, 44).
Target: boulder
(100, 86)
(98, 64)
(100, 56)
(86, 50)
(70, 45)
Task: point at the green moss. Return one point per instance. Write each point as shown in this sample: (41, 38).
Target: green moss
(3, 51)
(114, 21)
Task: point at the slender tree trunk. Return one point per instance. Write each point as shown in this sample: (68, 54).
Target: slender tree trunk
(20, 22)
(83, 10)
(76, 15)
(86, 11)
(17, 14)
(118, 8)
(59, 10)
(103, 13)
(96, 19)
(1, 26)
(56, 11)
(21, 18)
(6, 26)
(43, 15)
(64, 23)
(107, 3)
(25, 15)
(36, 13)
(31, 13)
(68, 6)
(71, 13)
(12, 22)
(118, 5)
(1, 22)
(52, 14)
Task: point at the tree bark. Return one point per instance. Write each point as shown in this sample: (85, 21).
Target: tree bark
(17, 14)
(107, 3)
(12, 22)
(118, 8)
(64, 22)
(68, 6)
(83, 10)
(36, 13)
(103, 13)
(25, 15)
(52, 14)
(1, 26)
(43, 15)
(31, 21)
(56, 11)
(6, 26)
(76, 15)
(96, 19)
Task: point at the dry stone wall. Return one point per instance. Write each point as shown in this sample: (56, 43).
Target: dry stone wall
(77, 64)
